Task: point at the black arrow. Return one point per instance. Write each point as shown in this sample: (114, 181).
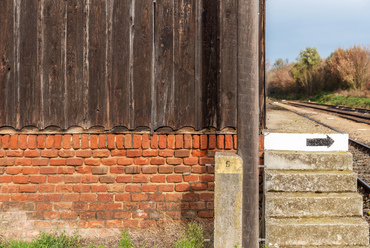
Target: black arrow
(320, 142)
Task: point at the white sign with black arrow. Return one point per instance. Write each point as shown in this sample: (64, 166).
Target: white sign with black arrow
(306, 142)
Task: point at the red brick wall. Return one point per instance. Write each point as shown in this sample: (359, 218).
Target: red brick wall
(106, 181)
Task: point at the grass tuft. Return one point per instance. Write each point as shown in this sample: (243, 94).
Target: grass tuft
(172, 235)
(45, 240)
(192, 237)
(125, 240)
(343, 100)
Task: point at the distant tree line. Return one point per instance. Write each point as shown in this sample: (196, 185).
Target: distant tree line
(343, 69)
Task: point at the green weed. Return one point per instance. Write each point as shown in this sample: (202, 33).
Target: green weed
(329, 98)
(45, 240)
(191, 238)
(350, 101)
(125, 240)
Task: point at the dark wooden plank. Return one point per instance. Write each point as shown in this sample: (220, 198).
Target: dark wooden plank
(119, 87)
(184, 62)
(228, 64)
(52, 73)
(198, 69)
(97, 91)
(74, 71)
(210, 63)
(164, 77)
(29, 104)
(143, 62)
(8, 90)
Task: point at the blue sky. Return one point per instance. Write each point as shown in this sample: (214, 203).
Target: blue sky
(293, 25)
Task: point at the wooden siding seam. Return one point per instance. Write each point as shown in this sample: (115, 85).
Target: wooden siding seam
(40, 58)
(86, 62)
(173, 83)
(17, 36)
(153, 116)
(108, 78)
(64, 64)
(131, 62)
(198, 62)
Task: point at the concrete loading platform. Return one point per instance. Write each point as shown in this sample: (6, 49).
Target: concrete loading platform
(311, 197)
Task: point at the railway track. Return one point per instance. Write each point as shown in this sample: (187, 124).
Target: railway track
(360, 146)
(360, 151)
(353, 114)
(335, 107)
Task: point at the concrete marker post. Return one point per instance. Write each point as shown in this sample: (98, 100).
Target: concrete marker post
(228, 200)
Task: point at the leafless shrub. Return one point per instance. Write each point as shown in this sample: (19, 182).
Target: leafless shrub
(281, 81)
(351, 66)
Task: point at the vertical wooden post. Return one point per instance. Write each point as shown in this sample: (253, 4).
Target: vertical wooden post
(262, 62)
(248, 115)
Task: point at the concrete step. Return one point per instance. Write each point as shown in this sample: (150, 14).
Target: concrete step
(327, 246)
(313, 205)
(310, 181)
(301, 160)
(317, 232)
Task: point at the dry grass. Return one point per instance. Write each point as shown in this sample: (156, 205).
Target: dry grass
(161, 237)
(165, 237)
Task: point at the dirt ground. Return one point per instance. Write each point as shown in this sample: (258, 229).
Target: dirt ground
(280, 119)
(160, 237)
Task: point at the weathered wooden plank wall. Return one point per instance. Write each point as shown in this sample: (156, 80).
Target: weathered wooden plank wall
(110, 63)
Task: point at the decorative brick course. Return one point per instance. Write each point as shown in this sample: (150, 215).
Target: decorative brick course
(109, 180)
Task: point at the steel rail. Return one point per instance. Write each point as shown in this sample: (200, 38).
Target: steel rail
(360, 110)
(343, 112)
